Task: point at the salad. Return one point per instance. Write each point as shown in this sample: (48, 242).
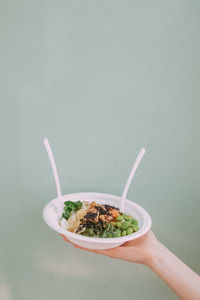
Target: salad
(96, 220)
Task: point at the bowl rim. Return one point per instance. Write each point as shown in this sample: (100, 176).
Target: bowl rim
(142, 230)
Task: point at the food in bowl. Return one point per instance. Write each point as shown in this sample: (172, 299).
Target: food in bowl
(96, 220)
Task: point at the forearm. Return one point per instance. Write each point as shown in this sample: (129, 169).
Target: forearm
(179, 277)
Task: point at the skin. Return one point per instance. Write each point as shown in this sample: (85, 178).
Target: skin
(149, 251)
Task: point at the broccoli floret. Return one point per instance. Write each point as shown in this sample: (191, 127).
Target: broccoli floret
(78, 205)
(66, 215)
(69, 207)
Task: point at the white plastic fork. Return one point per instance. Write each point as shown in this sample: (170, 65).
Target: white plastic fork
(132, 173)
(53, 165)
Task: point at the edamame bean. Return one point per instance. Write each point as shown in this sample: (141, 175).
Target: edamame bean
(129, 222)
(119, 225)
(129, 230)
(125, 217)
(123, 232)
(131, 225)
(135, 228)
(119, 218)
(134, 222)
(125, 224)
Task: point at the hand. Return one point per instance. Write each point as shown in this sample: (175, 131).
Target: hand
(149, 251)
(140, 250)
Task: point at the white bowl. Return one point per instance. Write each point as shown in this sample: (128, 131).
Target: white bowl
(131, 208)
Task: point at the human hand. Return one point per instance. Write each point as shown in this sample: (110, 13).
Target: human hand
(149, 251)
(140, 250)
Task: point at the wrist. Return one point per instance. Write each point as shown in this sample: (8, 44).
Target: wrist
(155, 255)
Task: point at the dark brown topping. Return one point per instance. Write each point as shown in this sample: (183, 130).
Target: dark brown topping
(101, 210)
(98, 214)
(91, 215)
(108, 207)
(105, 209)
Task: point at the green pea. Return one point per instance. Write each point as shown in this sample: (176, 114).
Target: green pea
(123, 232)
(129, 230)
(125, 224)
(119, 225)
(119, 218)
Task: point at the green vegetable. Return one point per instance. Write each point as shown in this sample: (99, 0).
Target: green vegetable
(69, 207)
(91, 232)
(135, 228)
(78, 205)
(66, 215)
(129, 230)
(131, 225)
(109, 235)
(125, 224)
(125, 217)
(117, 233)
(119, 224)
(134, 222)
(119, 218)
(106, 235)
(123, 232)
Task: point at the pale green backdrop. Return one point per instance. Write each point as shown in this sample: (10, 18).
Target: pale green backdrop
(100, 79)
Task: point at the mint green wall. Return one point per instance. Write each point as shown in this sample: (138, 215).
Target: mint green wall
(100, 79)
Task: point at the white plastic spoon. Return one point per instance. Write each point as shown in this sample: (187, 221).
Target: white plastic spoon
(132, 173)
(53, 165)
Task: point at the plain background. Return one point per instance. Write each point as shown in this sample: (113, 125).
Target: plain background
(100, 79)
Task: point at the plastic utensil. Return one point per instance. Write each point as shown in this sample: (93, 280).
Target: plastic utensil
(132, 173)
(53, 165)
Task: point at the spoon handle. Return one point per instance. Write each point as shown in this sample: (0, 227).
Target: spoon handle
(53, 165)
(132, 173)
